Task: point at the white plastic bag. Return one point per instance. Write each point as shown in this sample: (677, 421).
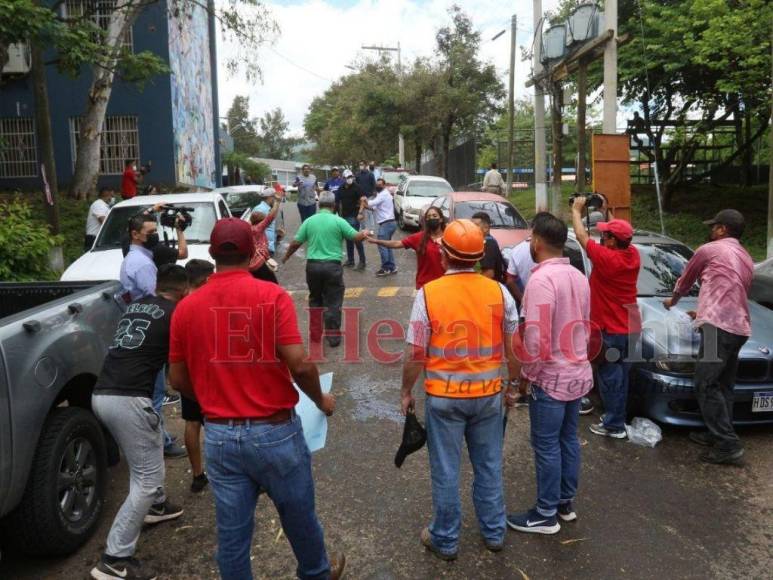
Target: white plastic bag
(643, 432)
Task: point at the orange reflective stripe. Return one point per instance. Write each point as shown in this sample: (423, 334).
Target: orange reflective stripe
(466, 313)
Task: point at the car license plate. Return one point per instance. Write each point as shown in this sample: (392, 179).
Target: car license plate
(762, 402)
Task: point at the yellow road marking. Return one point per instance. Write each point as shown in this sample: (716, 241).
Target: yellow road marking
(353, 292)
(388, 292)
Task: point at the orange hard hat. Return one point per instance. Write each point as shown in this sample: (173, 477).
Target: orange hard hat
(463, 240)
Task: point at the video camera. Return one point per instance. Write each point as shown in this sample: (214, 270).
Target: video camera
(593, 201)
(176, 216)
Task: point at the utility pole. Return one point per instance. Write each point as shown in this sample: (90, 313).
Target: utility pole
(511, 107)
(582, 88)
(770, 162)
(558, 136)
(380, 49)
(609, 123)
(540, 151)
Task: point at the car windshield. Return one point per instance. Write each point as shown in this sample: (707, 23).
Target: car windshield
(394, 177)
(428, 188)
(502, 214)
(243, 199)
(115, 229)
(661, 266)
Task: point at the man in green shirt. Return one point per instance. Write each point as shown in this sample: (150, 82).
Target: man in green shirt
(323, 233)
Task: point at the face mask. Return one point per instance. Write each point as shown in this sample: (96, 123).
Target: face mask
(433, 223)
(111, 201)
(350, 180)
(370, 167)
(134, 167)
(151, 242)
(379, 188)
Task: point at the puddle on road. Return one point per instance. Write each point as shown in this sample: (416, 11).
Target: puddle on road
(375, 398)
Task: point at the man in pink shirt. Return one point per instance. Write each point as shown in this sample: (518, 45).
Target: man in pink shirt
(556, 309)
(725, 271)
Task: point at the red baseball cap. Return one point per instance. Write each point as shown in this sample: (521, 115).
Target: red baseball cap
(621, 229)
(231, 236)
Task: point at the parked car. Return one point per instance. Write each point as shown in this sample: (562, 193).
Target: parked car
(393, 177)
(103, 260)
(53, 451)
(661, 383)
(508, 226)
(240, 198)
(762, 283)
(413, 194)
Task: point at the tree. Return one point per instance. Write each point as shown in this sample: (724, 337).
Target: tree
(242, 128)
(473, 90)
(357, 117)
(247, 21)
(273, 139)
(699, 63)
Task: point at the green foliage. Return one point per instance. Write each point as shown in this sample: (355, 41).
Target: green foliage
(242, 128)
(257, 171)
(273, 140)
(24, 244)
(356, 118)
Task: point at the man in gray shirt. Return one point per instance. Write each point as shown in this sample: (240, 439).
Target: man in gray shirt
(307, 193)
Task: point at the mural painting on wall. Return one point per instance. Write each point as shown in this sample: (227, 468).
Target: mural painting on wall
(191, 79)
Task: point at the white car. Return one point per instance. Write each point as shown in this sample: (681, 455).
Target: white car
(415, 193)
(103, 260)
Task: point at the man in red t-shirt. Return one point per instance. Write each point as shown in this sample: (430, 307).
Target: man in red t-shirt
(235, 348)
(613, 309)
(129, 180)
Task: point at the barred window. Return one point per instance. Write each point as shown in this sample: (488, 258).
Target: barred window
(120, 142)
(18, 147)
(99, 11)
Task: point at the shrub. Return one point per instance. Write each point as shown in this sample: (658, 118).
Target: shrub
(24, 244)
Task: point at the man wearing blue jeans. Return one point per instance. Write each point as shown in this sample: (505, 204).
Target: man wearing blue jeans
(463, 386)
(556, 306)
(348, 200)
(613, 311)
(383, 209)
(235, 348)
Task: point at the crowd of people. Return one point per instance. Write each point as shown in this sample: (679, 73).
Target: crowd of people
(227, 338)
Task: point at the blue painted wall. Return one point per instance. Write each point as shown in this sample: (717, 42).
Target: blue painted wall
(151, 104)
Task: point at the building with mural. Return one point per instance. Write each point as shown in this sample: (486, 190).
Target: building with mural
(170, 123)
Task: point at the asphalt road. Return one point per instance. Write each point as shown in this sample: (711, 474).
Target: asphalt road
(643, 512)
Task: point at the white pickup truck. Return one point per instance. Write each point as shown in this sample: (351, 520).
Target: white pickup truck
(103, 260)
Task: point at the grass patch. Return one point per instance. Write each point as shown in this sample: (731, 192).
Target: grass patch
(685, 221)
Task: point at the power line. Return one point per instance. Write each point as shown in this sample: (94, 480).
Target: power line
(298, 66)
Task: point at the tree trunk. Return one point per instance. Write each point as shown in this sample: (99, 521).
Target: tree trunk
(748, 157)
(91, 124)
(417, 159)
(44, 136)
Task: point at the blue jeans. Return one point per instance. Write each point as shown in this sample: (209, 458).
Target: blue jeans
(556, 449)
(159, 390)
(385, 232)
(449, 423)
(307, 211)
(245, 459)
(613, 380)
(350, 245)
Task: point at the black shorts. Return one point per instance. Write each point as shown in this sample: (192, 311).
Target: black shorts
(190, 410)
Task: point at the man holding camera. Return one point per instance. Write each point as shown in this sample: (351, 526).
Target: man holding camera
(131, 176)
(613, 309)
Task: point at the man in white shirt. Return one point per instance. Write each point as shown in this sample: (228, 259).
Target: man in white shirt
(383, 208)
(519, 268)
(97, 213)
(493, 182)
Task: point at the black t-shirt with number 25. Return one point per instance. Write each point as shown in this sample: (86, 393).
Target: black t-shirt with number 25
(139, 350)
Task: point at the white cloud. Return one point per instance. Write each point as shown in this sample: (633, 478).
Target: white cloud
(322, 37)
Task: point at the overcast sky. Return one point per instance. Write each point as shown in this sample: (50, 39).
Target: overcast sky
(319, 38)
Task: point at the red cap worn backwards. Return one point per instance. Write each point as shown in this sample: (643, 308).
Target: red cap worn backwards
(621, 229)
(231, 236)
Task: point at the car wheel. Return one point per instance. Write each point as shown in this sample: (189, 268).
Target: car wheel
(65, 492)
(401, 222)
